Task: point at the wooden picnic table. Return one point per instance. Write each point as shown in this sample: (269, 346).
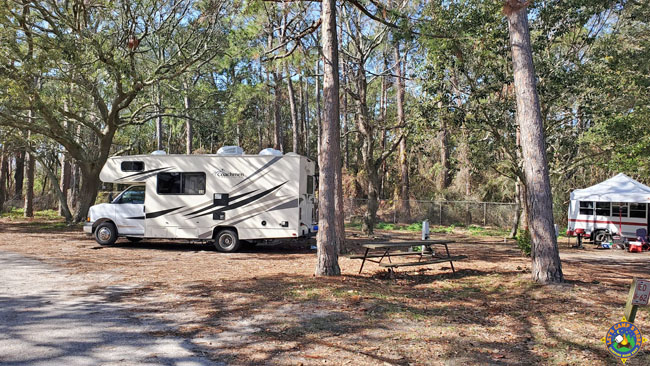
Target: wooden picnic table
(383, 250)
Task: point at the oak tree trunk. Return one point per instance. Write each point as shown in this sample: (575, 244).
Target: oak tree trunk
(74, 186)
(19, 174)
(59, 191)
(329, 158)
(30, 166)
(4, 167)
(546, 265)
(88, 190)
(64, 183)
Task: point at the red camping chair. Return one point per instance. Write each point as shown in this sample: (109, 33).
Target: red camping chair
(642, 236)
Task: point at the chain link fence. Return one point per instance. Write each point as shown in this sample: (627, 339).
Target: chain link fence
(445, 213)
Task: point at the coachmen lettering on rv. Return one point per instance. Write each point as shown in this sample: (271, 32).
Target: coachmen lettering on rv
(228, 198)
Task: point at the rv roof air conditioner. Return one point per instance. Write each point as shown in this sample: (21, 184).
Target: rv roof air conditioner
(159, 152)
(270, 151)
(230, 151)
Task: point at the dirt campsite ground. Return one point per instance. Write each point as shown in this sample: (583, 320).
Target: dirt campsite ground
(265, 307)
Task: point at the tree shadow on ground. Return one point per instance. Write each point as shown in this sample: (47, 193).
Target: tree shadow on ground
(472, 320)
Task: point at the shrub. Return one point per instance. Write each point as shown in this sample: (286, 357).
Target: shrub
(524, 242)
(416, 226)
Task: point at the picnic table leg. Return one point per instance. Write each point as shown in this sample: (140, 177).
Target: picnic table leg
(385, 253)
(450, 261)
(364, 260)
(424, 248)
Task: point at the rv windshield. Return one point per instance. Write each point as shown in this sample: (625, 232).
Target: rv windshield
(133, 195)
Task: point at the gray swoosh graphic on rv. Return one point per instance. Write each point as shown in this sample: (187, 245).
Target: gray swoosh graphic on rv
(271, 162)
(213, 205)
(265, 209)
(144, 172)
(250, 183)
(152, 215)
(140, 179)
(243, 202)
(289, 204)
(266, 203)
(148, 172)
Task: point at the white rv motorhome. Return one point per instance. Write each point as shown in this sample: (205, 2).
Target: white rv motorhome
(222, 198)
(617, 206)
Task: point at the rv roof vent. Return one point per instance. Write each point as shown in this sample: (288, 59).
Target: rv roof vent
(230, 150)
(159, 152)
(270, 151)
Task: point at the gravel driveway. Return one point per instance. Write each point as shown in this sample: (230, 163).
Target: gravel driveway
(48, 317)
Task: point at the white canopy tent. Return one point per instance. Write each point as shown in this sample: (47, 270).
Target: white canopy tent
(619, 188)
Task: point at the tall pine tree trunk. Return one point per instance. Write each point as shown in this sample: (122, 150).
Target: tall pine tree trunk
(189, 132)
(329, 160)
(159, 121)
(319, 113)
(517, 213)
(294, 113)
(344, 113)
(443, 141)
(403, 204)
(546, 265)
(306, 120)
(277, 123)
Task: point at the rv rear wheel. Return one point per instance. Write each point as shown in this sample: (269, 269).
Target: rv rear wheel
(106, 233)
(227, 241)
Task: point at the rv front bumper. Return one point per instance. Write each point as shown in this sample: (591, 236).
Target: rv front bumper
(88, 228)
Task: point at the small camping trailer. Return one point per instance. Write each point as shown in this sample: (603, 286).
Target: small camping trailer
(222, 198)
(617, 206)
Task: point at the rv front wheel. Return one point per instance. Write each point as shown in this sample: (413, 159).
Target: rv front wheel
(106, 233)
(227, 241)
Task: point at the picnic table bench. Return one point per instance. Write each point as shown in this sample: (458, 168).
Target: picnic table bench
(383, 250)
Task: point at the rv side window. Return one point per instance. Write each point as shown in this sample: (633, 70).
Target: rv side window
(619, 209)
(602, 208)
(181, 183)
(310, 184)
(132, 166)
(193, 183)
(637, 210)
(586, 208)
